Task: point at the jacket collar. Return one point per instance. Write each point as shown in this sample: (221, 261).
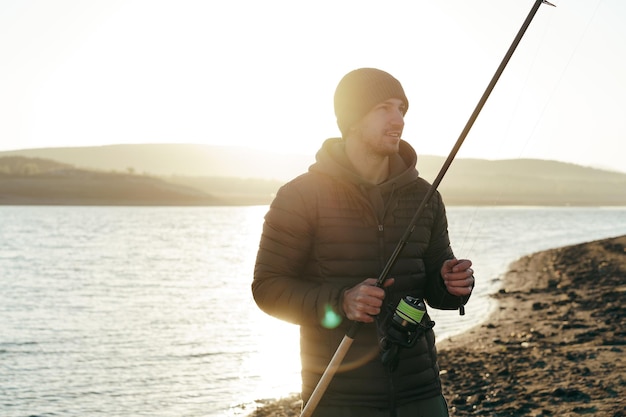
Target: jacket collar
(331, 160)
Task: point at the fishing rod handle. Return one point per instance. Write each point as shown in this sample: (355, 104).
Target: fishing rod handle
(327, 376)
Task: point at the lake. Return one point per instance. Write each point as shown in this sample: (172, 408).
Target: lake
(147, 311)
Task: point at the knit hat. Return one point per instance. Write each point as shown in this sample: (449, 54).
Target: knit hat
(362, 89)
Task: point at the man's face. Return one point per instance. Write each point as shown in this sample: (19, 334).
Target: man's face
(380, 130)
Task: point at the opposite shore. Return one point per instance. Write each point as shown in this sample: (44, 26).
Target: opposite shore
(41, 181)
(553, 347)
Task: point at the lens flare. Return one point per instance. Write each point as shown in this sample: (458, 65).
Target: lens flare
(331, 318)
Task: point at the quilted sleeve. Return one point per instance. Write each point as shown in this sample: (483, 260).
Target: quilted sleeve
(281, 286)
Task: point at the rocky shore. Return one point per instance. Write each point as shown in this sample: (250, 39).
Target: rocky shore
(554, 347)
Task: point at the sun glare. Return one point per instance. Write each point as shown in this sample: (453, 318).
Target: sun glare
(276, 358)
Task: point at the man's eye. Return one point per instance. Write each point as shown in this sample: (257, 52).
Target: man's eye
(381, 109)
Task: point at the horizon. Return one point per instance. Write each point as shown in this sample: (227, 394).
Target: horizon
(106, 73)
(294, 163)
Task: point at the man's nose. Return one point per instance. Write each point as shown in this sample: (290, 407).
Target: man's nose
(398, 116)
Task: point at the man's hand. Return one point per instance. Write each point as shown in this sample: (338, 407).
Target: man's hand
(458, 276)
(363, 301)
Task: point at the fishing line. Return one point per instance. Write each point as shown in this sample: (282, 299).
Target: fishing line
(524, 88)
(467, 251)
(560, 79)
(498, 197)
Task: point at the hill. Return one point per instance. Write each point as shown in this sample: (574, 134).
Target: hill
(26, 181)
(531, 182)
(228, 175)
(177, 159)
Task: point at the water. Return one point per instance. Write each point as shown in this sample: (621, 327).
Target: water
(136, 311)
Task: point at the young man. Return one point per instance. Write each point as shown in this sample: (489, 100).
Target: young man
(326, 238)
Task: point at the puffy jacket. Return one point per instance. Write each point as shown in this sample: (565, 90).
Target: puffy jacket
(328, 230)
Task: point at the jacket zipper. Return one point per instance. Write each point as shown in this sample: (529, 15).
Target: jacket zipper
(381, 245)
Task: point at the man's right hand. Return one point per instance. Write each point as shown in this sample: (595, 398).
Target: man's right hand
(363, 301)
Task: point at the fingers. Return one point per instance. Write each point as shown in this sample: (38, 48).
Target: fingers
(363, 301)
(388, 282)
(458, 276)
(457, 269)
(461, 290)
(467, 281)
(458, 265)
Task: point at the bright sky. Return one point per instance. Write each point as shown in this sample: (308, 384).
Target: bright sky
(262, 73)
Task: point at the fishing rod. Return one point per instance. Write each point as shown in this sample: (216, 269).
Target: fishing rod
(346, 342)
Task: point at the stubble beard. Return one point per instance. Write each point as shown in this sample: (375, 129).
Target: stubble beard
(387, 145)
(379, 143)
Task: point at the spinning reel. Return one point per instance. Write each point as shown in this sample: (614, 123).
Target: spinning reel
(404, 330)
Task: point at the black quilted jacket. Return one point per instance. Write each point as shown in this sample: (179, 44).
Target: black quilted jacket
(328, 230)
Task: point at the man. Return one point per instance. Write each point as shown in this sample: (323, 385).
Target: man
(327, 236)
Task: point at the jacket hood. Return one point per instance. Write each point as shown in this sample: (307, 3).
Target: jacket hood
(332, 160)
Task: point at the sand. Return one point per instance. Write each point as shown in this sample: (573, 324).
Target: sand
(554, 346)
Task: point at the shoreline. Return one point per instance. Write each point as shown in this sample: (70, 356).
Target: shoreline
(554, 344)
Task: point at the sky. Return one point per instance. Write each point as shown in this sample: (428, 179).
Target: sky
(262, 74)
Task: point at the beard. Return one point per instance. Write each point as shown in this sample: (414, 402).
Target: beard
(382, 142)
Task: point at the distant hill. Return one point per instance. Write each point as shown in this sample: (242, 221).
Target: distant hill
(531, 182)
(27, 181)
(177, 159)
(227, 175)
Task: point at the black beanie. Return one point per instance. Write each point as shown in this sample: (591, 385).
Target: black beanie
(362, 89)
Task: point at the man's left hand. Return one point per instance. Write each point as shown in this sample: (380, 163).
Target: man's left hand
(458, 276)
